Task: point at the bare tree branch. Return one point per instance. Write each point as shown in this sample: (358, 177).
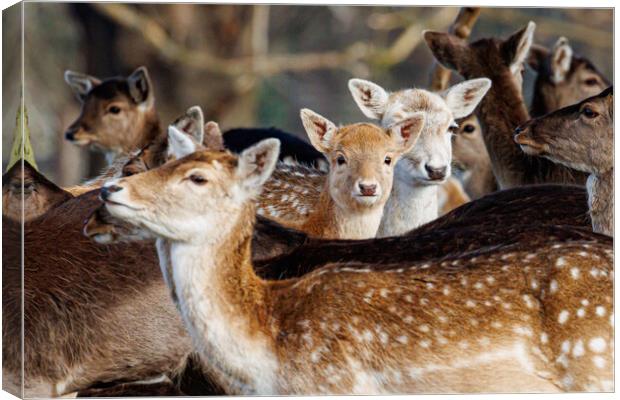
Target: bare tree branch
(461, 27)
(270, 64)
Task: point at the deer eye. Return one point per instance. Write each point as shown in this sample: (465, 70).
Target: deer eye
(197, 179)
(114, 109)
(388, 160)
(591, 82)
(589, 113)
(340, 160)
(469, 128)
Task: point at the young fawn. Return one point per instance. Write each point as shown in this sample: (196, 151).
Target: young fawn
(361, 159)
(118, 114)
(413, 201)
(563, 78)
(502, 109)
(581, 137)
(462, 323)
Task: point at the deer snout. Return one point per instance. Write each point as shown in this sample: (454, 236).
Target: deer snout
(71, 131)
(107, 191)
(436, 173)
(367, 189)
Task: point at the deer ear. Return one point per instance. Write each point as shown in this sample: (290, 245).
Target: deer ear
(370, 98)
(81, 83)
(213, 139)
(463, 98)
(447, 49)
(179, 144)
(320, 130)
(140, 87)
(407, 132)
(516, 48)
(537, 56)
(192, 123)
(561, 60)
(257, 163)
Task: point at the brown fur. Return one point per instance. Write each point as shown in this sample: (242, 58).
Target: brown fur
(451, 195)
(502, 109)
(25, 188)
(572, 136)
(378, 346)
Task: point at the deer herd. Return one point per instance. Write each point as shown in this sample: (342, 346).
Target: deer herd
(356, 264)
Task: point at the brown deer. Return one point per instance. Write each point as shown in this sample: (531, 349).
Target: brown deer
(414, 198)
(344, 329)
(361, 159)
(118, 114)
(26, 189)
(581, 137)
(563, 78)
(502, 109)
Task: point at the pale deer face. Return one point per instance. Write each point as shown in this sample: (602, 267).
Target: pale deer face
(361, 157)
(469, 151)
(114, 111)
(428, 162)
(193, 197)
(563, 77)
(485, 57)
(579, 136)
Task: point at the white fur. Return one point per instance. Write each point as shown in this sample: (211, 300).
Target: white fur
(561, 60)
(179, 144)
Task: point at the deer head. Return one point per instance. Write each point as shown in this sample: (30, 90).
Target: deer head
(485, 57)
(429, 160)
(186, 135)
(30, 186)
(564, 78)
(361, 156)
(117, 114)
(579, 136)
(218, 183)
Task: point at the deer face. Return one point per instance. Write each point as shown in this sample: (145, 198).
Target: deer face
(114, 112)
(563, 77)
(469, 151)
(193, 197)
(428, 162)
(579, 136)
(485, 57)
(361, 156)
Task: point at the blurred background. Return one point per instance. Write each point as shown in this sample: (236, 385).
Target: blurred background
(245, 65)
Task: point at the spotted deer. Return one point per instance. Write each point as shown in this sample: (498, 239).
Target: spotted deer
(580, 136)
(118, 114)
(361, 166)
(26, 189)
(462, 326)
(414, 200)
(503, 108)
(563, 77)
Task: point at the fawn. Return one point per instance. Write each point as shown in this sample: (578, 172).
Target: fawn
(118, 114)
(563, 78)
(361, 159)
(413, 201)
(581, 137)
(24, 188)
(502, 109)
(462, 323)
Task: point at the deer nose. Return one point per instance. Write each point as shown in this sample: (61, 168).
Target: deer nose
(367, 190)
(436, 173)
(106, 191)
(70, 135)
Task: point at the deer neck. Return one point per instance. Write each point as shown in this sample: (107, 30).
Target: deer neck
(411, 204)
(150, 131)
(500, 112)
(601, 201)
(331, 221)
(224, 307)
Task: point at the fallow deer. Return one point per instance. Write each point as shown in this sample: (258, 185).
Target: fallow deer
(502, 109)
(118, 114)
(362, 159)
(345, 329)
(413, 201)
(563, 78)
(26, 189)
(581, 137)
